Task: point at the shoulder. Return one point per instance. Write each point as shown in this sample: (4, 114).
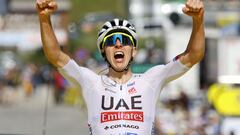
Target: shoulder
(73, 69)
(155, 69)
(171, 66)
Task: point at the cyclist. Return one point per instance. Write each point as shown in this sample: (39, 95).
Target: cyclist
(120, 102)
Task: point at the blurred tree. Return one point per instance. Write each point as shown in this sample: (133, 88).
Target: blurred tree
(36, 57)
(81, 7)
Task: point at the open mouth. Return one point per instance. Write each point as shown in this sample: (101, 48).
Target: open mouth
(118, 55)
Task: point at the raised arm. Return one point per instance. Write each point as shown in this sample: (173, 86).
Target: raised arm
(50, 44)
(196, 46)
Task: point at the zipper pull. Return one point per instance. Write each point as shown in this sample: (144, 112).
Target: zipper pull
(121, 87)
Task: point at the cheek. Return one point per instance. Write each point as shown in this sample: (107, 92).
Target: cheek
(108, 52)
(129, 52)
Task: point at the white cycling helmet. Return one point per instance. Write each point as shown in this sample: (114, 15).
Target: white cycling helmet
(116, 25)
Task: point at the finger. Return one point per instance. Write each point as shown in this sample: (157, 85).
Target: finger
(43, 3)
(38, 1)
(53, 5)
(185, 9)
(199, 5)
(188, 5)
(191, 4)
(195, 6)
(47, 11)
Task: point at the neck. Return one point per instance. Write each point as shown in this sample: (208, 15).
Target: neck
(120, 77)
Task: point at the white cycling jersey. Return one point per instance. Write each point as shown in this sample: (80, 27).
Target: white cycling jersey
(122, 109)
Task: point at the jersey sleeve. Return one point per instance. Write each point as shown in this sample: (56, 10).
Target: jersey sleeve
(174, 70)
(78, 75)
(160, 75)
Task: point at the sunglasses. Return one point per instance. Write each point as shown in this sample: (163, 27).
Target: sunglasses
(125, 39)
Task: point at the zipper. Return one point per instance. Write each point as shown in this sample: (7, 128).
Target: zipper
(120, 87)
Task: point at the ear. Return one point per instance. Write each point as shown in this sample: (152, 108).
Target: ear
(103, 53)
(134, 52)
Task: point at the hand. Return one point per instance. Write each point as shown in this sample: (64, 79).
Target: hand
(194, 8)
(46, 7)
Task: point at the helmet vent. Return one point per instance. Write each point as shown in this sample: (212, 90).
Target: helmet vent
(113, 23)
(120, 22)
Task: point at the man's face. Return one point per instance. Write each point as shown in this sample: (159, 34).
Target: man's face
(119, 55)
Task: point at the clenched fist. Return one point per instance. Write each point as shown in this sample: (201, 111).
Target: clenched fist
(46, 7)
(194, 8)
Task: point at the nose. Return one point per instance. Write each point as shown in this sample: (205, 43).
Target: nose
(118, 43)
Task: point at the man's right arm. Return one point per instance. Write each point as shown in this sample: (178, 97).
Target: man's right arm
(50, 44)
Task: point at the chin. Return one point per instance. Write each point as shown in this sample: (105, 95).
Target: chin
(120, 68)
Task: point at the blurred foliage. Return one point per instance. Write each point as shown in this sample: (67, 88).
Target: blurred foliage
(36, 57)
(81, 7)
(158, 41)
(84, 40)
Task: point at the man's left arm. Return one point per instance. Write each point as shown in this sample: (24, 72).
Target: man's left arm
(196, 46)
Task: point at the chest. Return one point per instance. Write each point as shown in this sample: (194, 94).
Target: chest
(131, 96)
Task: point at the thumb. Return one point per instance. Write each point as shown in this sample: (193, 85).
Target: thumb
(185, 10)
(38, 1)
